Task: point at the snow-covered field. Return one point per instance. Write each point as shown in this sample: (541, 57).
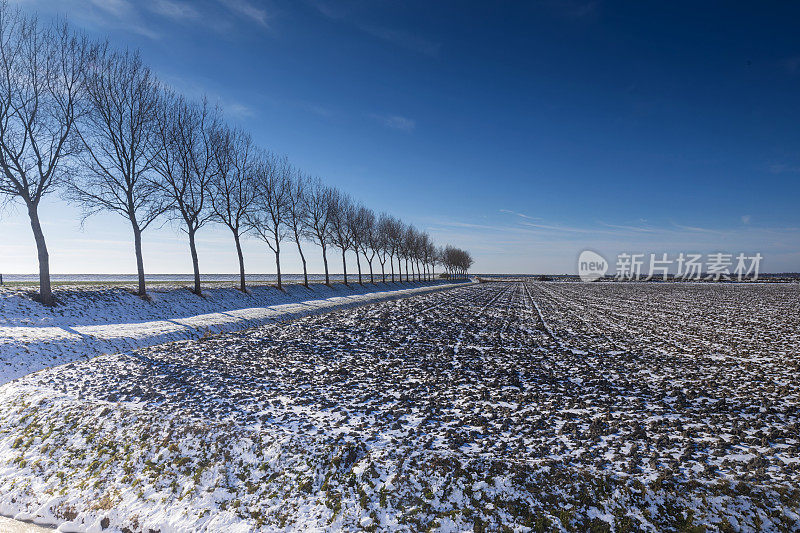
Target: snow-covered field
(94, 320)
(524, 406)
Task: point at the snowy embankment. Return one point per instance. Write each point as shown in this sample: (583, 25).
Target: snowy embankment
(90, 321)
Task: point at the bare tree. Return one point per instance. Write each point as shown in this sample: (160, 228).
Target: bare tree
(319, 202)
(394, 236)
(426, 249)
(466, 262)
(341, 211)
(407, 244)
(185, 163)
(298, 214)
(434, 255)
(413, 252)
(119, 135)
(456, 261)
(359, 224)
(268, 220)
(447, 255)
(419, 255)
(412, 241)
(233, 193)
(381, 242)
(42, 94)
(441, 258)
(369, 242)
(402, 250)
(433, 259)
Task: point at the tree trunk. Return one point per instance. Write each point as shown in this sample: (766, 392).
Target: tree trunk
(358, 263)
(303, 258)
(278, 265)
(325, 260)
(45, 292)
(344, 265)
(407, 269)
(391, 264)
(137, 245)
(371, 277)
(195, 264)
(383, 271)
(242, 284)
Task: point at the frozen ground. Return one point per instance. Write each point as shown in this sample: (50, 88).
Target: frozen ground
(90, 321)
(524, 406)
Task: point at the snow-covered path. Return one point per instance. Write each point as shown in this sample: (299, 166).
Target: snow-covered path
(8, 525)
(91, 322)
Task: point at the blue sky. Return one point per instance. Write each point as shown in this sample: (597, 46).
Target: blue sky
(525, 132)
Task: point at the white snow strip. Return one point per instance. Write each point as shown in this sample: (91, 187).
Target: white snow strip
(83, 328)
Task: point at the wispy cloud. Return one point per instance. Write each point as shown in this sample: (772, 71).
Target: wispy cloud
(99, 14)
(173, 9)
(566, 229)
(745, 219)
(642, 229)
(399, 37)
(248, 10)
(238, 109)
(396, 122)
(698, 229)
(117, 8)
(521, 215)
(328, 9)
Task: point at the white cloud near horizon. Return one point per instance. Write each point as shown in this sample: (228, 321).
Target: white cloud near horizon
(520, 246)
(500, 244)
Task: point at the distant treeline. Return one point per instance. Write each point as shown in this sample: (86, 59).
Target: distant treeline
(94, 123)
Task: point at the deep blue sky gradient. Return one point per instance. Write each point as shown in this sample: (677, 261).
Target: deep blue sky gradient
(525, 132)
